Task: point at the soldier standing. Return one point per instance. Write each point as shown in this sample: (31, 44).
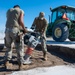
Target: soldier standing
(13, 33)
(40, 24)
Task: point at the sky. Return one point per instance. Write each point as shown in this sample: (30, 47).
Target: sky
(31, 9)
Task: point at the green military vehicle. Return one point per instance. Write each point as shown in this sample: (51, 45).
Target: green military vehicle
(62, 23)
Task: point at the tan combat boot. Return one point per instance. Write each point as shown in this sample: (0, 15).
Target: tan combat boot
(20, 64)
(8, 65)
(45, 56)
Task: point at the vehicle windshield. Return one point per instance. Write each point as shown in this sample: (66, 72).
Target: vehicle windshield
(69, 13)
(61, 12)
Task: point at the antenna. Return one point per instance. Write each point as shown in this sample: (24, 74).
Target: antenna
(51, 8)
(49, 18)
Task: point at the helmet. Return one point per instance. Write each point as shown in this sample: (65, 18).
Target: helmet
(41, 14)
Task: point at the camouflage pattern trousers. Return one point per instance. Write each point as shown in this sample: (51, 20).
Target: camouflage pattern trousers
(11, 35)
(43, 43)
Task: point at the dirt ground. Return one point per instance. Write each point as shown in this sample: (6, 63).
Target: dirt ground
(37, 60)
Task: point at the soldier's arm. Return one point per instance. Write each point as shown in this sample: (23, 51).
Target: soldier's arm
(45, 26)
(7, 13)
(34, 23)
(21, 21)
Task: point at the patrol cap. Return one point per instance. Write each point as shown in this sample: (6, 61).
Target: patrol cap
(41, 14)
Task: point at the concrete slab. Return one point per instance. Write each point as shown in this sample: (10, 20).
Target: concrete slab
(67, 43)
(67, 48)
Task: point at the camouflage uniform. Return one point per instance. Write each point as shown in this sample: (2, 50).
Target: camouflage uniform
(12, 32)
(40, 25)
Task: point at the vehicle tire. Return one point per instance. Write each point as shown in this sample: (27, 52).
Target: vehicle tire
(60, 32)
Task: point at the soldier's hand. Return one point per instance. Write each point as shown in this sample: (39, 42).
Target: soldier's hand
(25, 31)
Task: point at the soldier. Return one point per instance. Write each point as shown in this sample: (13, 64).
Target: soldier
(13, 33)
(40, 24)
